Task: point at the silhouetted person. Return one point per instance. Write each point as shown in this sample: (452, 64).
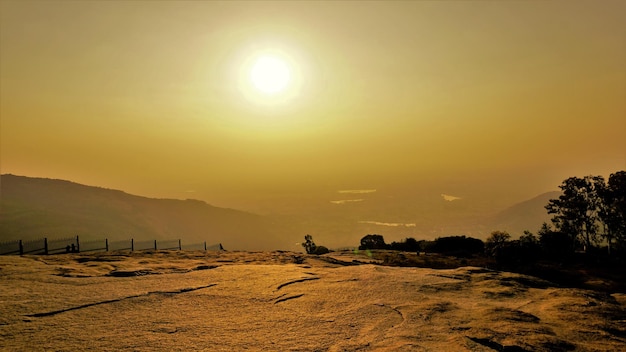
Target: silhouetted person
(73, 248)
(67, 248)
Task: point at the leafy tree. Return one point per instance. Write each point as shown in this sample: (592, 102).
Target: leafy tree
(408, 245)
(496, 241)
(459, 246)
(530, 249)
(309, 245)
(513, 254)
(312, 248)
(613, 209)
(373, 242)
(528, 239)
(427, 246)
(545, 228)
(576, 211)
(554, 244)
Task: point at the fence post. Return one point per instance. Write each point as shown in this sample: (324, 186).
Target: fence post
(132, 245)
(21, 248)
(77, 245)
(106, 244)
(45, 245)
(155, 247)
(180, 246)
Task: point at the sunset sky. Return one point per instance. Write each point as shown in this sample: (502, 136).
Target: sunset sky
(499, 100)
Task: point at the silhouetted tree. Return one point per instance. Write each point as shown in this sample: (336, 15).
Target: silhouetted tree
(613, 210)
(373, 242)
(459, 246)
(309, 245)
(427, 246)
(312, 248)
(576, 210)
(529, 245)
(555, 245)
(495, 242)
(407, 245)
(528, 239)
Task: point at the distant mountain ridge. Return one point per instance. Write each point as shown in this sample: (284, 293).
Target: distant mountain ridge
(528, 215)
(38, 207)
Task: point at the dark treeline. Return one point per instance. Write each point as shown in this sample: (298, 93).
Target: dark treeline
(591, 212)
(459, 246)
(588, 227)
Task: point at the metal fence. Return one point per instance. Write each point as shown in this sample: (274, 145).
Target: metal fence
(171, 244)
(74, 245)
(61, 245)
(195, 247)
(10, 247)
(94, 246)
(124, 245)
(33, 246)
(144, 245)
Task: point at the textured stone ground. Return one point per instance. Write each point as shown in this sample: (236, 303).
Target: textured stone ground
(282, 301)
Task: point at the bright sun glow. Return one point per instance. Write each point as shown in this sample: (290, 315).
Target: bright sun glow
(270, 75)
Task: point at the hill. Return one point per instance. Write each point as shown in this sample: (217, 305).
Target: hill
(527, 215)
(38, 207)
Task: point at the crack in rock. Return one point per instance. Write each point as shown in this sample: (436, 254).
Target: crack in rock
(496, 346)
(55, 312)
(157, 271)
(296, 281)
(288, 298)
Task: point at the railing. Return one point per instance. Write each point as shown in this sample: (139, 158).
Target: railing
(120, 245)
(10, 247)
(74, 245)
(61, 245)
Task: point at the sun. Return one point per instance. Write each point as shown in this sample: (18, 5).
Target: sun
(270, 74)
(274, 78)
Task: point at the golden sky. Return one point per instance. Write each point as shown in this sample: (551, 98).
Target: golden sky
(505, 99)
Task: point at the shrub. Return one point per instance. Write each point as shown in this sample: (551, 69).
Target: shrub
(321, 250)
(373, 242)
(309, 245)
(458, 246)
(408, 245)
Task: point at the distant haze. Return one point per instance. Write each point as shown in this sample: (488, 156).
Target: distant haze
(435, 109)
(32, 208)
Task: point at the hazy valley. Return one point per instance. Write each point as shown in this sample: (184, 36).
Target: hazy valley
(37, 207)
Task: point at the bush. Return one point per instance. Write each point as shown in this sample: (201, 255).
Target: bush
(321, 250)
(556, 245)
(312, 248)
(515, 254)
(408, 245)
(458, 246)
(373, 242)
(496, 241)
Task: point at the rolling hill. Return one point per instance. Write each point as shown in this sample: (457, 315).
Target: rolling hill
(527, 215)
(38, 207)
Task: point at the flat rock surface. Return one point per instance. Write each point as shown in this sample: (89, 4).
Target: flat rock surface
(283, 301)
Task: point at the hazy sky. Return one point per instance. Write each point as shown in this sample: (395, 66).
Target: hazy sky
(499, 98)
